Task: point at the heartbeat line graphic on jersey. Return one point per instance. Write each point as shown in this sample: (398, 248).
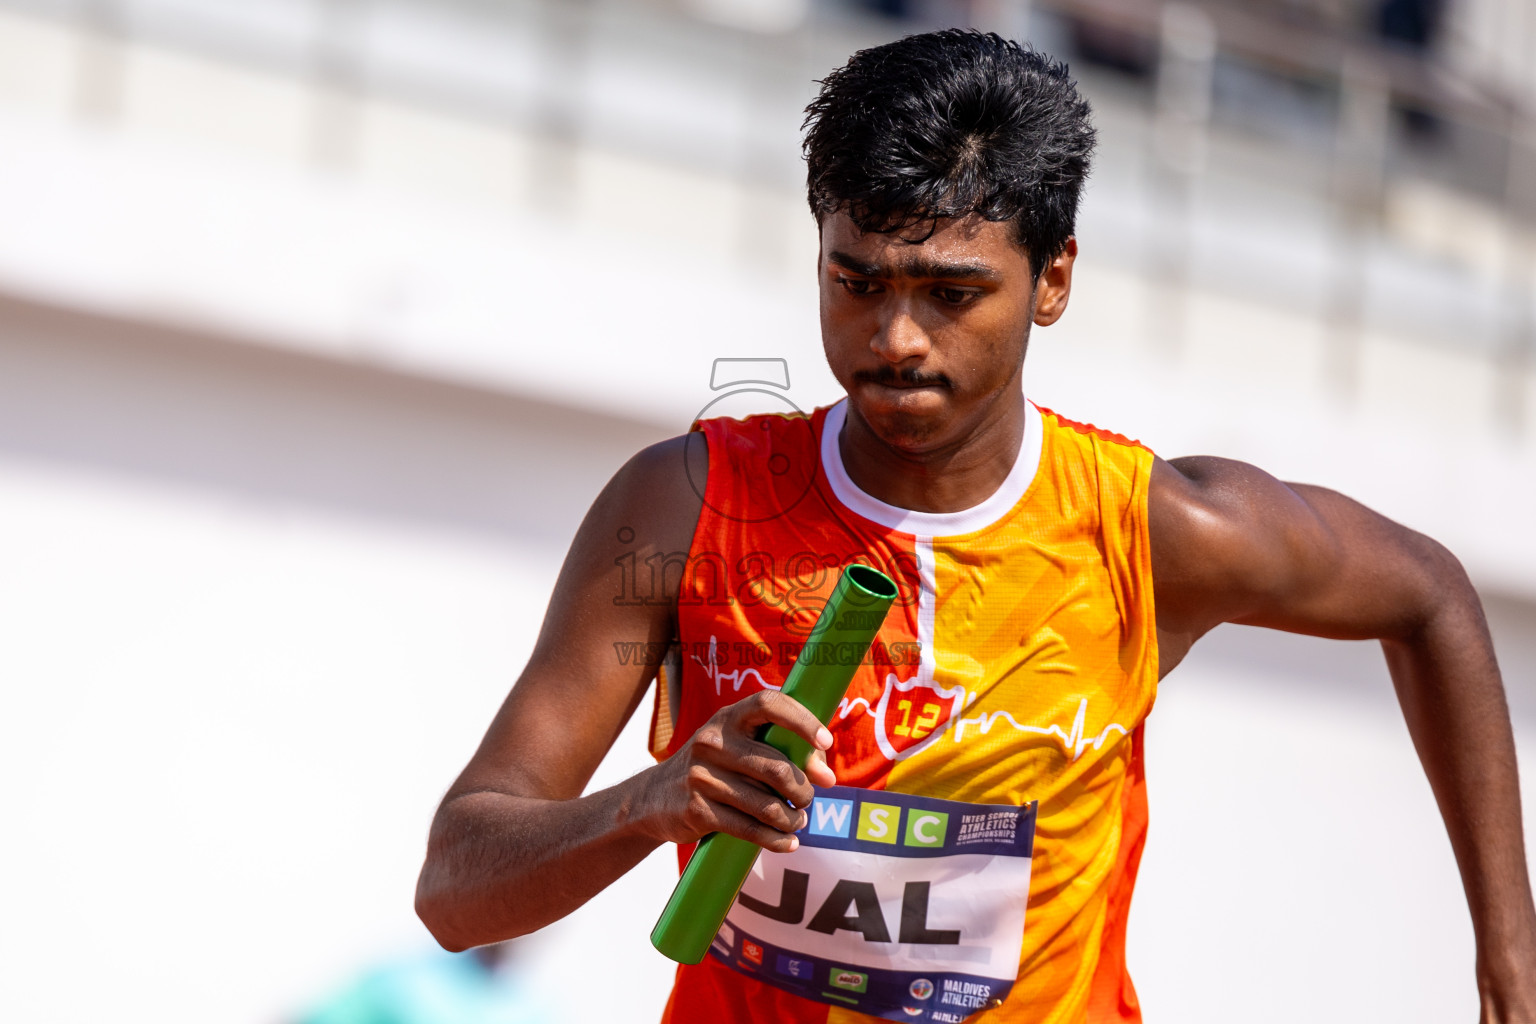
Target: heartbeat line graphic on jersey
(1074, 742)
(845, 706)
(737, 679)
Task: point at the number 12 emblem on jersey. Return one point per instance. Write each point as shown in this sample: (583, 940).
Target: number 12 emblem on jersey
(912, 714)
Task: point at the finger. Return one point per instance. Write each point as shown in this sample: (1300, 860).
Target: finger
(744, 826)
(773, 771)
(755, 801)
(818, 771)
(770, 707)
(734, 752)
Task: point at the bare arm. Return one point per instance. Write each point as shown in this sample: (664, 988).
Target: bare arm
(1232, 544)
(514, 844)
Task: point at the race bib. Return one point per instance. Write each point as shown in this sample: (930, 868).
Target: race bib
(898, 906)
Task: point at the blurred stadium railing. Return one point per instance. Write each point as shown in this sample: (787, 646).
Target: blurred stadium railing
(1400, 178)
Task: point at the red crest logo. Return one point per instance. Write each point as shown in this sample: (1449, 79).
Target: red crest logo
(913, 714)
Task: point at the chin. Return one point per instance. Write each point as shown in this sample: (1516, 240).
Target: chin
(904, 418)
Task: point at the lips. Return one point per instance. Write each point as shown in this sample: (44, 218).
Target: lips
(903, 380)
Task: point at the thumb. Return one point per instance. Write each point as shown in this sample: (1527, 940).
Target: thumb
(817, 771)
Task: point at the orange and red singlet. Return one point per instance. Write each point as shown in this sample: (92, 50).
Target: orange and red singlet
(978, 853)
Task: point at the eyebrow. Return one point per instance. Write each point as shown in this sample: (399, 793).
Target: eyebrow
(917, 267)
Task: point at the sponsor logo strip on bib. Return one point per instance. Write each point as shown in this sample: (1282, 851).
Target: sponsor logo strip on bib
(902, 907)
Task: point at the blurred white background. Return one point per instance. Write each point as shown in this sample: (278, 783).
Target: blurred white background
(321, 322)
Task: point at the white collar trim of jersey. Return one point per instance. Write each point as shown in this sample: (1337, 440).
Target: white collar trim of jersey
(932, 524)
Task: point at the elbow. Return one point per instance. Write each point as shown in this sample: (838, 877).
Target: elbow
(463, 896)
(455, 915)
(441, 901)
(447, 941)
(1442, 595)
(1447, 586)
(435, 911)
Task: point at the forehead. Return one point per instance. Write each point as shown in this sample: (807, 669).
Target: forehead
(955, 240)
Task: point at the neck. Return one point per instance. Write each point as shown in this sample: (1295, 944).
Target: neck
(951, 477)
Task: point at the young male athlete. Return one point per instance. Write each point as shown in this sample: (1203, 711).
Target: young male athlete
(966, 840)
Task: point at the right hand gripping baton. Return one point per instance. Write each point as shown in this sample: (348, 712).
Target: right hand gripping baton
(818, 680)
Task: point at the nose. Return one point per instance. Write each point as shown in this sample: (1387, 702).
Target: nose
(899, 336)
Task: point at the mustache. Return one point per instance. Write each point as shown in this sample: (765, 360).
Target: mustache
(904, 377)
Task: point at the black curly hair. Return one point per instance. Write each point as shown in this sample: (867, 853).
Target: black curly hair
(945, 124)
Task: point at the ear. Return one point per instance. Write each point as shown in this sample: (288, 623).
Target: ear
(1055, 286)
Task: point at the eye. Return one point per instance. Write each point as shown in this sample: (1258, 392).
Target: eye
(955, 296)
(856, 285)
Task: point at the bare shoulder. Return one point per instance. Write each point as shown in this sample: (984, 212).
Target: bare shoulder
(1225, 535)
(1216, 521)
(651, 505)
(1231, 543)
(671, 471)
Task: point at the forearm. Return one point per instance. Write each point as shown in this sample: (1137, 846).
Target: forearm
(1453, 699)
(499, 866)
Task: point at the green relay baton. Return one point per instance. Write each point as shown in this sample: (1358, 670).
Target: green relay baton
(818, 680)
